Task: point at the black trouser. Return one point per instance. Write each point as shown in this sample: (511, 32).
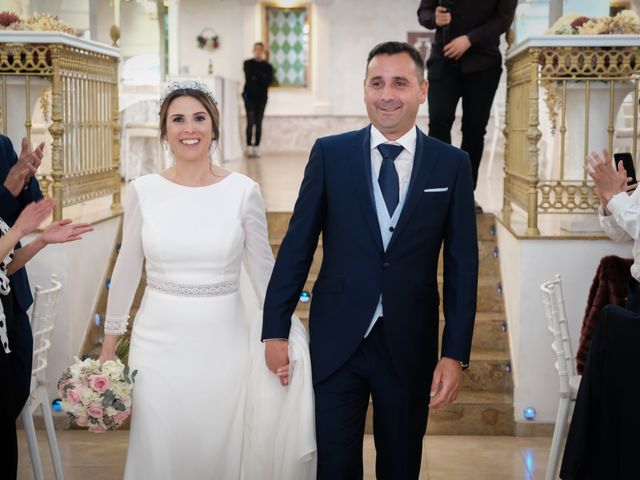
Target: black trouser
(632, 302)
(399, 415)
(254, 107)
(447, 84)
(603, 440)
(9, 442)
(21, 357)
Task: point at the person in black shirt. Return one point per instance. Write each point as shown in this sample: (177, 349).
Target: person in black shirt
(465, 63)
(259, 75)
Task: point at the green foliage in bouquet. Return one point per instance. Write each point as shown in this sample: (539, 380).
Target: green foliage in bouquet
(122, 350)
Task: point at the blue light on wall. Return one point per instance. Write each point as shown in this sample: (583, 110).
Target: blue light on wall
(98, 319)
(530, 413)
(305, 297)
(55, 405)
(108, 283)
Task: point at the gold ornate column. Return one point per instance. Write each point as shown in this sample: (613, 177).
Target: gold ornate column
(533, 136)
(57, 131)
(116, 204)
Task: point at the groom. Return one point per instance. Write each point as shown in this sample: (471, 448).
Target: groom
(386, 199)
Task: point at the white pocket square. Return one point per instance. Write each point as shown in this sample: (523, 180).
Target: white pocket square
(436, 190)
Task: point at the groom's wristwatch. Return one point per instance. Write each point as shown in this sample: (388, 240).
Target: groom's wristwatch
(463, 365)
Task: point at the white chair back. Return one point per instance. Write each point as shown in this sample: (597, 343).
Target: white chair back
(45, 303)
(557, 324)
(556, 316)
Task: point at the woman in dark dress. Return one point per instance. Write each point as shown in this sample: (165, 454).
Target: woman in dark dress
(10, 261)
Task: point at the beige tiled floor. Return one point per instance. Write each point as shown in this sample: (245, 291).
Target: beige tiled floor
(101, 457)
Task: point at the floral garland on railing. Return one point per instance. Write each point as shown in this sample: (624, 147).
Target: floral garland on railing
(625, 22)
(38, 22)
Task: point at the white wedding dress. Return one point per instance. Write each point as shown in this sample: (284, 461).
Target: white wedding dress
(204, 404)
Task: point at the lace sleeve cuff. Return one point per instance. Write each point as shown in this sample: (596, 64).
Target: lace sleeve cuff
(115, 325)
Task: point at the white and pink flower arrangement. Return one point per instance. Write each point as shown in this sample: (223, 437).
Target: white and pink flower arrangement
(97, 396)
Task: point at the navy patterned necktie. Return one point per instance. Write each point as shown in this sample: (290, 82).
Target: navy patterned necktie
(388, 177)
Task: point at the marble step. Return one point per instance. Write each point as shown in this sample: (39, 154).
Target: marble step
(489, 333)
(278, 222)
(490, 371)
(473, 413)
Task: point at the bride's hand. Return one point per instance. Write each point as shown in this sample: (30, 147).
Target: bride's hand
(106, 356)
(283, 374)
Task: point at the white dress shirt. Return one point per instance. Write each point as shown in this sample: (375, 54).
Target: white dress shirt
(404, 166)
(624, 224)
(404, 161)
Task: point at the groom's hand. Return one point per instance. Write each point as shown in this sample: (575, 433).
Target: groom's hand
(276, 354)
(447, 380)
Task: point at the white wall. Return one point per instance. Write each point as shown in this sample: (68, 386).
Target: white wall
(343, 32)
(524, 265)
(81, 267)
(227, 19)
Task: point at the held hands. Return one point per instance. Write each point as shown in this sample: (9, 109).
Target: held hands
(276, 354)
(457, 47)
(26, 166)
(443, 16)
(447, 381)
(609, 181)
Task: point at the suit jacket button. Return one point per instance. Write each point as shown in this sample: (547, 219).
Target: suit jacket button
(386, 265)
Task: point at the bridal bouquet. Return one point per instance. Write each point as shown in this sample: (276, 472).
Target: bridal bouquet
(97, 396)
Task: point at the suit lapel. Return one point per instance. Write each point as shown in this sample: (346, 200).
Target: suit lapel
(360, 163)
(423, 163)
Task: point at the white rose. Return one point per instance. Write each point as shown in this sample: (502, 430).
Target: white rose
(110, 411)
(75, 369)
(113, 369)
(118, 389)
(89, 397)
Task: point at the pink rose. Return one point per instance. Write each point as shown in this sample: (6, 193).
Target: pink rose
(82, 421)
(95, 411)
(97, 429)
(100, 383)
(122, 416)
(73, 396)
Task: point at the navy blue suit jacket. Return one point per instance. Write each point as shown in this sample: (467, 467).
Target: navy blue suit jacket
(336, 199)
(10, 208)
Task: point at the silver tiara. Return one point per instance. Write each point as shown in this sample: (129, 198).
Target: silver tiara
(187, 85)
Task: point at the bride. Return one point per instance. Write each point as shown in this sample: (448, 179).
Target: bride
(204, 404)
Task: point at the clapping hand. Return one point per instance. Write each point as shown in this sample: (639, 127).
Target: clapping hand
(26, 166)
(609, 181)
(33, 215)
(64, 231)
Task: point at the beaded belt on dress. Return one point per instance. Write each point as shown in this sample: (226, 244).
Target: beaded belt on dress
(186, 290)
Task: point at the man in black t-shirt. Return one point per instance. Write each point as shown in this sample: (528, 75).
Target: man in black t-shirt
(259, 75)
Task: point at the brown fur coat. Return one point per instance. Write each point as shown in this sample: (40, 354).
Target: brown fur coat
(609, 286)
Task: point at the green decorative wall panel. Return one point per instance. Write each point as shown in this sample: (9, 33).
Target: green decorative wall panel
(288, 43)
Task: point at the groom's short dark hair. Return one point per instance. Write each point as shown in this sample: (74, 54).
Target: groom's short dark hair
(391, 48)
